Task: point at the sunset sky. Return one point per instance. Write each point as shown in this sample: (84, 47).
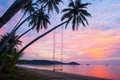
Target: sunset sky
(96, 42)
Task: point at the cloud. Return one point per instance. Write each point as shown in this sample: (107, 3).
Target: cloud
(99, 40)
(104, 15)
(92, 43)
(3, 31)
(79, 45)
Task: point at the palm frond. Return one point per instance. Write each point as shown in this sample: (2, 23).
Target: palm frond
(76, 13)
(66, 9)
(51, 4)
(14, 37)
(84, 5)
(71, 4)
(29, 8)
(39, 20)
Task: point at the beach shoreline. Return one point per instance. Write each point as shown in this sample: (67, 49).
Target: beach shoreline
(54, 75)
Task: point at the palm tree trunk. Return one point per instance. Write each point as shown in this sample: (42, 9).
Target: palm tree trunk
(41, 36)
(17, 39)
(18, 22)
(15, 7)
(24, 33)
(12, 33)
(2, 66)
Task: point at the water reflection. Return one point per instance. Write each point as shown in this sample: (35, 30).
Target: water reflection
(102, 71)
(112, 72)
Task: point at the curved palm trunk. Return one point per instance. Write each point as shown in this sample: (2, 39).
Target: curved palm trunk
(1, 66)
(16, 26)
(41, 36)
(11, 34)
(18, 22)
(17, 39)
(15, 7)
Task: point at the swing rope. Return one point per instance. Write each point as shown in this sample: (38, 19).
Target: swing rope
(54, 45)
(61, 48)
(54, 49)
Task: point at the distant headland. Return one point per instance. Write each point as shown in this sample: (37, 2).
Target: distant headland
(45, 62)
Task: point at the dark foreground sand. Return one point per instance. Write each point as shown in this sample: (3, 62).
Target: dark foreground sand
(52, 75)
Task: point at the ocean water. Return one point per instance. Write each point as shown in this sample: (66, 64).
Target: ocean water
(102, 71)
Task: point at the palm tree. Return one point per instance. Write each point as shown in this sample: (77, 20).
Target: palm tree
(50, 4)
(10, 60)
(10, 53)
(39, 20)
(15, 7)
(19, 4)
(14, 37)
(76, 12)
(29, 8)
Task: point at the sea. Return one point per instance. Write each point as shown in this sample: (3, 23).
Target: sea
(101, 71)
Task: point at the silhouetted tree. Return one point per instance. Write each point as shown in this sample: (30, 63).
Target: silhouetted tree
(76, 12)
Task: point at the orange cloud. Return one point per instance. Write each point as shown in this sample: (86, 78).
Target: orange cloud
(92, 43)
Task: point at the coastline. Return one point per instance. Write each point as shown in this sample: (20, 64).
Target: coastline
(53, 75)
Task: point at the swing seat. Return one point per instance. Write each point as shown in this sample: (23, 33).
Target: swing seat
(57, 69)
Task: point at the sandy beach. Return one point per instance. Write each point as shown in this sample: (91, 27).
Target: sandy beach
(53, 75)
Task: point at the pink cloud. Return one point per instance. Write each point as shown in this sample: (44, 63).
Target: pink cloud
(93, 43)
(96, 41)
(78, 45)
(3, 31)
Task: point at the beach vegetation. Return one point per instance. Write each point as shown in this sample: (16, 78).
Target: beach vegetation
(9, 59)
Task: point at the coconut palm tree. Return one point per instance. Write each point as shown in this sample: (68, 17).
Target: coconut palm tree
(39, 20)
(11, 53)
(14, 37)
(13, 9)
(50, 4)
(19, 4)
(76, 13)
(27, 9)
(30, 8)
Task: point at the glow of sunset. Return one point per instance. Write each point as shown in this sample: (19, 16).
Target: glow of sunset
(98, 41)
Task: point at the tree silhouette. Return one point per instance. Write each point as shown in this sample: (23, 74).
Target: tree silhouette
(38, 18)
(75, 13)
(15, 7)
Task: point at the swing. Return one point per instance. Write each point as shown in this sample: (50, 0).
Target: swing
(54, 51)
